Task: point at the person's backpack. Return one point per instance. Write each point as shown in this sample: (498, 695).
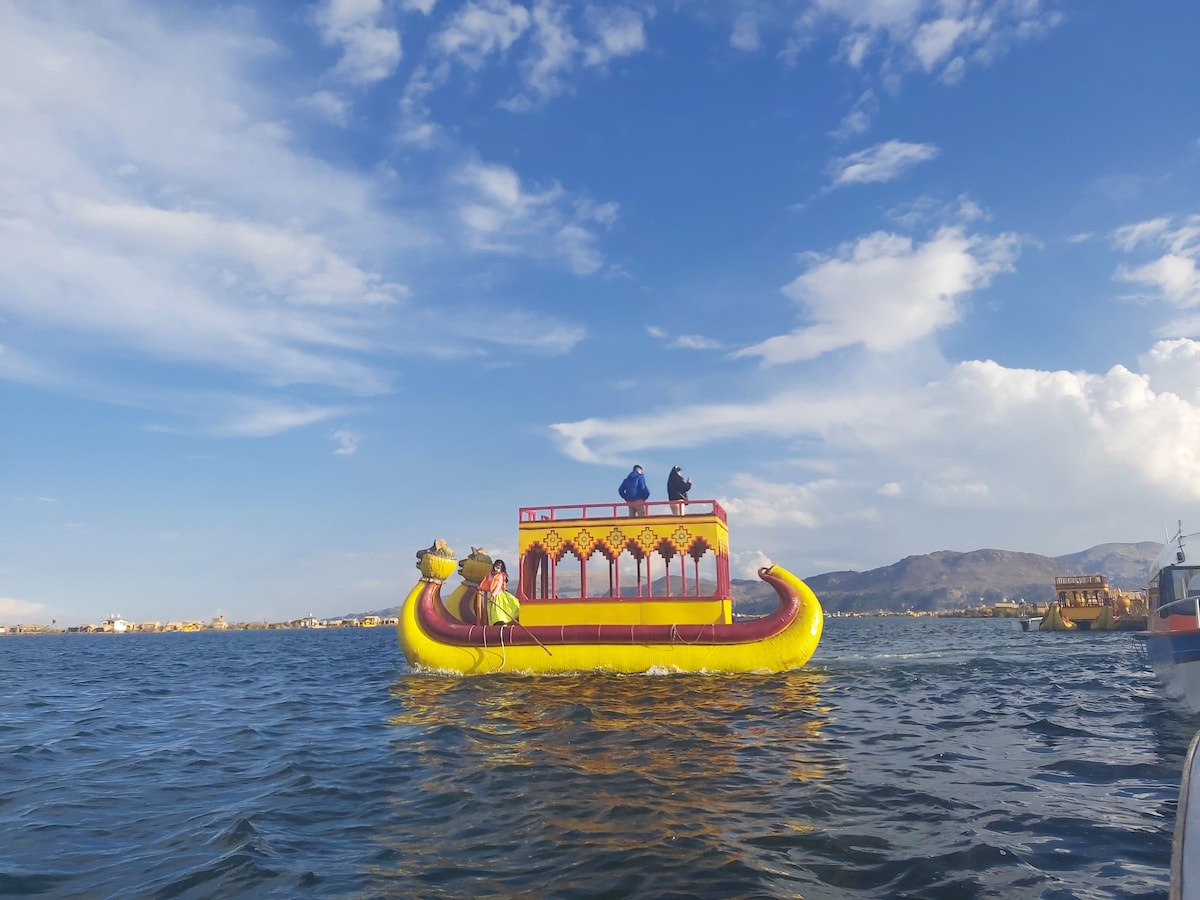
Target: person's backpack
(626, 488)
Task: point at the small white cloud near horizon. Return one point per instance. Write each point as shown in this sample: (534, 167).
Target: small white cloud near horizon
(747, 563)
(11, 608)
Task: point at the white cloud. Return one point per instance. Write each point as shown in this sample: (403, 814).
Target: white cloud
(934, 41)
(925, 36)
(858, 120)
(883, 162)
(370, 50)
(745, 36)
(1128, 237)
(884, 293)
(499, 216)
(12, 609)
(746, 564)
(553, 56)
(694, 342)
(683, 341)
(166, 216)
(618, 31)
(481, 29)
(330, 106)
(1176, 274)
(488, 32)
(772, 504)
(1173, 366)
(242, 417)
(960, 450)
(157, 207)
(347, 442)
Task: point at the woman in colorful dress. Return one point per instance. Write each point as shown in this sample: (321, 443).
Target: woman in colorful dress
(494, 605)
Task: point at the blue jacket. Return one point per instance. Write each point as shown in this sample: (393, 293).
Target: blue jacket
(634, 487)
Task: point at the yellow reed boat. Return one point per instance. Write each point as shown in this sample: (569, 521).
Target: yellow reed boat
(599, 590)
(1090, 603)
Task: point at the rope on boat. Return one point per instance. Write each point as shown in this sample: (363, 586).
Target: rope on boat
(675, 635)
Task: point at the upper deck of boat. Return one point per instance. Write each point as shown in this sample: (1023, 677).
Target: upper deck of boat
(620, 510)
(610, 528)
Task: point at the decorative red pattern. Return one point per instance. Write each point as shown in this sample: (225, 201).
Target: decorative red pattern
(434, 621)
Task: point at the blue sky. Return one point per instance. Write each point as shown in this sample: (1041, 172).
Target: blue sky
(288, 290)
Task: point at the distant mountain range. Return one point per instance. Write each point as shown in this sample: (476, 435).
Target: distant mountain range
(947, 580)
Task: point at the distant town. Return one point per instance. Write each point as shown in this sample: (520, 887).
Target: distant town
(118, 625)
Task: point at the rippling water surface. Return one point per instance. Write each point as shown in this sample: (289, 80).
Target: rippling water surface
(949, 758)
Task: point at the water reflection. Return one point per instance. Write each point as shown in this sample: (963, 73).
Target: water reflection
(605, 767)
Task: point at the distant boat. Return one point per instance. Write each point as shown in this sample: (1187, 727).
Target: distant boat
(1089, 603)
(1172, 638)
(116, 625)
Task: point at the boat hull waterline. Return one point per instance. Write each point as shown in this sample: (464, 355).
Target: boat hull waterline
(432, 638)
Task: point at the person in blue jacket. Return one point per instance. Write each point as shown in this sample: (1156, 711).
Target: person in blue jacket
(635, 492)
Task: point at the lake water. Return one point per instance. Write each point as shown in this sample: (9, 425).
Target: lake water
(916, 758)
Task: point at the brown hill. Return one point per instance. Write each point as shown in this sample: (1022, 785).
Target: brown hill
(947, 580)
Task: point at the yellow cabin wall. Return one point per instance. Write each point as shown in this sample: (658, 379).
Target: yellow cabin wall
(626, 612)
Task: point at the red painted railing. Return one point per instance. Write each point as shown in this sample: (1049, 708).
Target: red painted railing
(619, 509)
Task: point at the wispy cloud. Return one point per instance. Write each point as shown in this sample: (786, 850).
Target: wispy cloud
(682, 341)
(1175, 275)
(176, 220)
(347, 442)
(858, 120)
(244, 417)
(942, 39)
(481, 29)
(883, 162)
(745, 35)
(370, 48)
(499, 215)
(329, 106)
(487, 31)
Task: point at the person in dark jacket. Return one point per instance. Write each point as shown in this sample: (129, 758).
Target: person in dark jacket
(677, 490)
(635, 491)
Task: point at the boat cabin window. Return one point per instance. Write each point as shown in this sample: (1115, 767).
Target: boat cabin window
(1184, 583)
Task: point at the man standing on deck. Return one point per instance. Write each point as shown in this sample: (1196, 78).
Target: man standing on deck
(635, 492)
